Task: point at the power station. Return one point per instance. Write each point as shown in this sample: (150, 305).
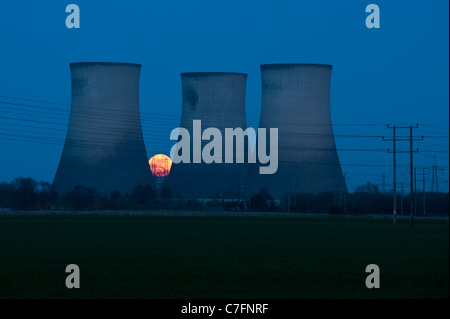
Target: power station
(218, 100)
(104, 147)
(296, 100)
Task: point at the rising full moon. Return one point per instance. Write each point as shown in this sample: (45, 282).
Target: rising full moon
(160, 165)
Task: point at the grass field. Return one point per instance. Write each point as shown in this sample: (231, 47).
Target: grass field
(221, 257)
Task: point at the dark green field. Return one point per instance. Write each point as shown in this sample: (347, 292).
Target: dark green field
(221, 257)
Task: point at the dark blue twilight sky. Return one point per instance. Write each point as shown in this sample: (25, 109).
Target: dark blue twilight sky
(397, 74)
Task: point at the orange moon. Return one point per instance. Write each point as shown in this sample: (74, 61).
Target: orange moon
(160, 165)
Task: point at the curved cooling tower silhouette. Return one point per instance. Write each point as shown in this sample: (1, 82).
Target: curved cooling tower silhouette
(218, 100)
(104, 147)
(296, 100)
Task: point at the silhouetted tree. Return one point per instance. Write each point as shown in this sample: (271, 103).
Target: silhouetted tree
(115, 195)
(25, 193)
(335, 209)
(166, 192)
(7, 194)
(261, 200)
(143, 194)
(47, 195)
(80, 197)
(367, 188)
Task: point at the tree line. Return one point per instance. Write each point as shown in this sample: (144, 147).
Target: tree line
(24, 193)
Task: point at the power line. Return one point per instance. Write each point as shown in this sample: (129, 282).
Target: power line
(90, 127)
(110, 112)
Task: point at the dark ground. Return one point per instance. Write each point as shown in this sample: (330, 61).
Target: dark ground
(221, 257)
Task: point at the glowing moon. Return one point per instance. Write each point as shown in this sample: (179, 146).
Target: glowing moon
(160, 165)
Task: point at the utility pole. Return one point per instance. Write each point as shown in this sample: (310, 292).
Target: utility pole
(395, 178)
(401, 201)
(411, 170)
(423, 188)
(395, 172)
(394, 152)
(415, 189)
(434, 176)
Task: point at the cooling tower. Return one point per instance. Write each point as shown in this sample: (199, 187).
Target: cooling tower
(218, 100)
(296, 100)
(104, 147)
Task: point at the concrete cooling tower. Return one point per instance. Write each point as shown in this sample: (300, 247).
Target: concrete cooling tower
(104, 147)
(218, 100)
(296, 100)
